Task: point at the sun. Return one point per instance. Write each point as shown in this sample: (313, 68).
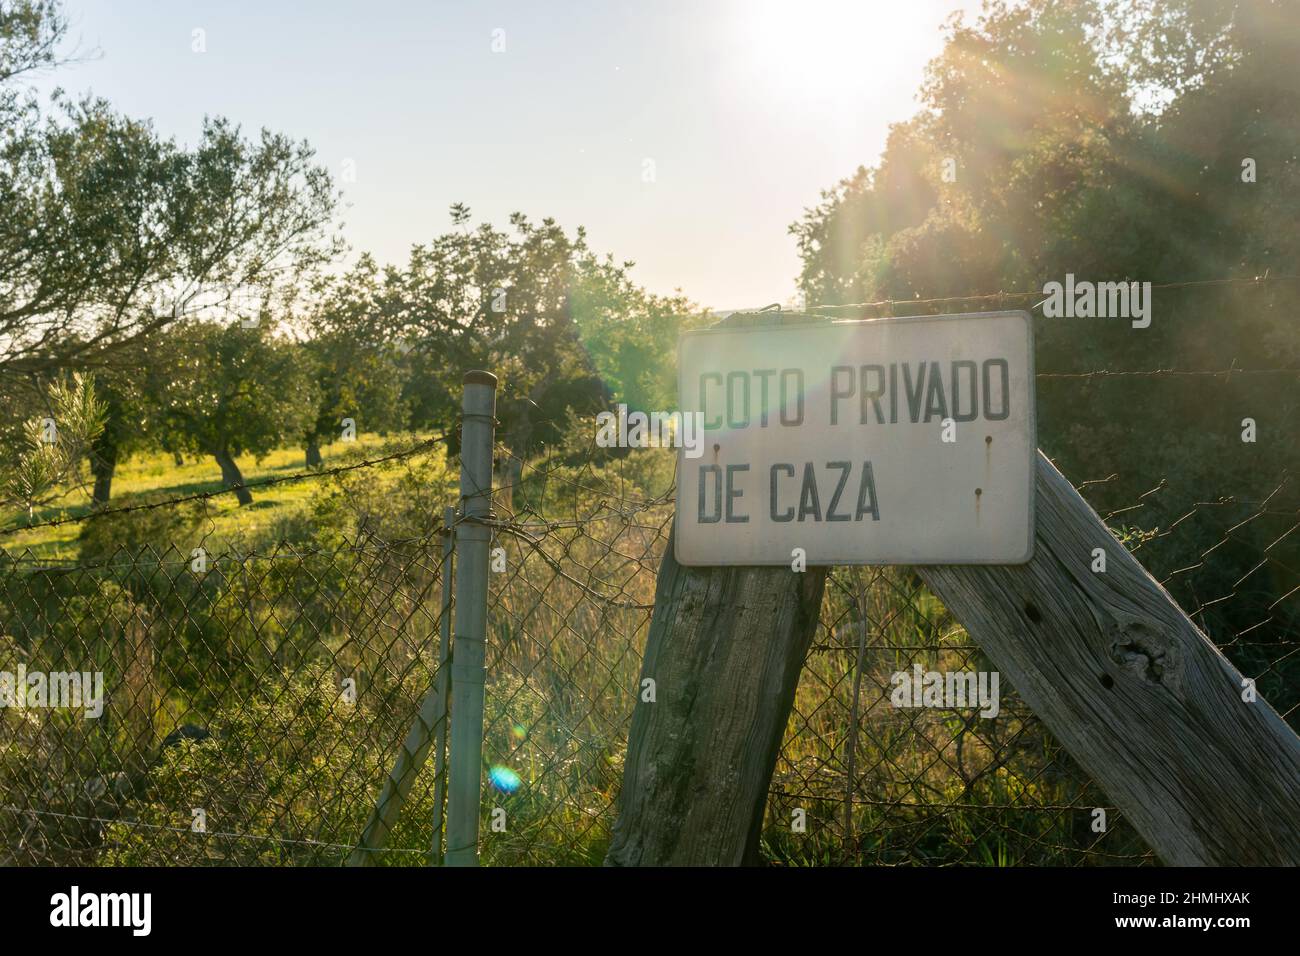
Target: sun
(801, 49)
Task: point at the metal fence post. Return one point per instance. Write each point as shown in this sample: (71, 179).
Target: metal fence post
(473, 539)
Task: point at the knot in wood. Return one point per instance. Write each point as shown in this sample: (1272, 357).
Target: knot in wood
(1144, 652)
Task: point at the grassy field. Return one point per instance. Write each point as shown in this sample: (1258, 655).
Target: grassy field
(145, 477)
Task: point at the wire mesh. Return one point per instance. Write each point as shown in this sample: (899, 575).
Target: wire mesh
(570, 609)
(254, 702)
(250, 704)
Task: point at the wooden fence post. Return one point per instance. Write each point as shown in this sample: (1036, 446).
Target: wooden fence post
(725, 649)
(1133, 690)
(138, 690)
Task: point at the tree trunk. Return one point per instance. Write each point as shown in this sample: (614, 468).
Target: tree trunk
(103, 464)
(231, 476)
(725, 650)
(314, 459)
(509, 467)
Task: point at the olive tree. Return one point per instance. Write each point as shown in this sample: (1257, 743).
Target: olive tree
(228, 390)
(49, 456)
(109, 233)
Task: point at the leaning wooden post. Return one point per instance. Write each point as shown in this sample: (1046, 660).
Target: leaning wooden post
(1133, 690)
(724, 652)
(430, 726)
(397, 786)
(443, 682)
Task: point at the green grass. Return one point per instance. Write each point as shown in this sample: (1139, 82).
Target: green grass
(143, 477)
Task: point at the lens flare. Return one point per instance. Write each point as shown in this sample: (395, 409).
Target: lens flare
(504, 779)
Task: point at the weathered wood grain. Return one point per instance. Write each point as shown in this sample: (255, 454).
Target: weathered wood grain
(1133, 690)
(725, 649)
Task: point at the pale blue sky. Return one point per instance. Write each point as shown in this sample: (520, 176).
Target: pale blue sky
(747, 109)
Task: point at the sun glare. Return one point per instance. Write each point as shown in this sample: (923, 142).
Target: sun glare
(814, 49)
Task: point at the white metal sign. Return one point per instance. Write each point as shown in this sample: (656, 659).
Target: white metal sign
(888, 441)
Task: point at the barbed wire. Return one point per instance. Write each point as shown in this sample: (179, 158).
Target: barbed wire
(998, 296)
(285, 551)
(558, 568)
(1226, 373)
(416, 449)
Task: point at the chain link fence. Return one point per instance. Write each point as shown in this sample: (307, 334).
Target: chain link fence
(252, 704)
(229, 709)
(870, 783)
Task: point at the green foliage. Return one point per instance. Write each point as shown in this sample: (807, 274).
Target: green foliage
(630, 335)
(564, 329)
(226, 388)
(1107, 140)
(355, 356)
(145, 533)
(284, 753)
(30, 31)
(395, 501)
(357, 381)
(135, 232)
(109, 233)
(53, 445)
